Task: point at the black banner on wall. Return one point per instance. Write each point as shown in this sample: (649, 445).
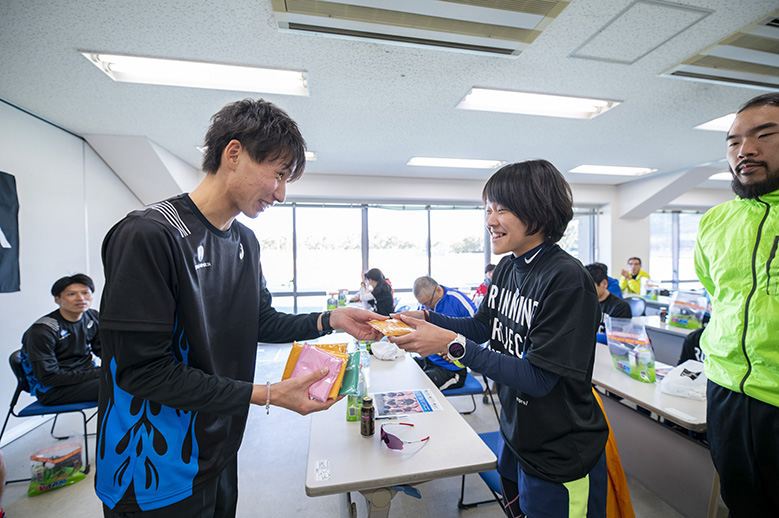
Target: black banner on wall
(9, 234)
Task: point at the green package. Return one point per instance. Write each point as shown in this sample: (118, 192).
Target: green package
(351, 379)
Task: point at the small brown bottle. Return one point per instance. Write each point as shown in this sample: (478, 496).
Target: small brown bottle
(367, 417)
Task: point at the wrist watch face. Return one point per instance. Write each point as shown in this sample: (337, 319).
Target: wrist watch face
(456, 350)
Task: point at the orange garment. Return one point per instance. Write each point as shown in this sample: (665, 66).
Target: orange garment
(618, 501)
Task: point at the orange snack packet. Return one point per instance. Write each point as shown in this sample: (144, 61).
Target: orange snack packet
(390, 327)
(337, 350)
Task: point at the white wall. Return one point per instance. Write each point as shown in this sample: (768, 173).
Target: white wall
(68, 199)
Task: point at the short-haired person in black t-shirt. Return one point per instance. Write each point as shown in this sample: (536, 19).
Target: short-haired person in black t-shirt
(185, 304)
(57, 348)
(540, 316)
(610, 305)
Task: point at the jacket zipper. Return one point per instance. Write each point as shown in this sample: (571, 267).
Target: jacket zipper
(752, 292)
(771, 258)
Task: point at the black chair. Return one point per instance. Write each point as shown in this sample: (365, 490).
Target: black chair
(472, 387)
(37, 409)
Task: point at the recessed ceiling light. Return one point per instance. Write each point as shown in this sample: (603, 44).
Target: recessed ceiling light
(454, 162)
(534, 104)
(611, 169)
(726, 176)
(135, 69)
(719, 124)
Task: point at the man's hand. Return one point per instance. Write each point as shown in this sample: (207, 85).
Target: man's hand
(626, 274)
(292, 394)
(426, 339)
(355, 322)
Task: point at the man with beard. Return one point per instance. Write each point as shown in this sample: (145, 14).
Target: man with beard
(736, 259)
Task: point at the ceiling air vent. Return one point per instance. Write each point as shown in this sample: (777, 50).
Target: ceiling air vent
(748, 58)
(494, 27)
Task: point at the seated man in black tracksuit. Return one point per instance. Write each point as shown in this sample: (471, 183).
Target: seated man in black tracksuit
(610, 305)
(57, 349)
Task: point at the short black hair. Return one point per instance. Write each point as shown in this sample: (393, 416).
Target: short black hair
(535, 192)
(262, 128)
(58, 287)
(597, 272)
(605, 268)
(635, 259)
(489, 268)
(771, 99)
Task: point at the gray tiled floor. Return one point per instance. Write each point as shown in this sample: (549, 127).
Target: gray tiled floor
(272, 463)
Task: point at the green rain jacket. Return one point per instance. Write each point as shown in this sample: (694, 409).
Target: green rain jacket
(737, 261)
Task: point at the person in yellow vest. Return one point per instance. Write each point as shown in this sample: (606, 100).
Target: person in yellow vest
(630, 282)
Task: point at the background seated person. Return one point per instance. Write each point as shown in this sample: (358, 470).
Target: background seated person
(383, 302)
(609, 304)
(481, 291)
(614, 288)
(57, 349)
(631, 279)
(452, 303)
(364, 295)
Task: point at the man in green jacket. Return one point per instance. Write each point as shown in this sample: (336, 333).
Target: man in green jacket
(737, 261)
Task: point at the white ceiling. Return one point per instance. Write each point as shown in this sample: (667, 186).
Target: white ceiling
(374, 105)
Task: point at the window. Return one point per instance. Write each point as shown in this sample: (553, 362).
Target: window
(329, 254)
(273, 229)
(671, 249)
(457, 247)
(310, 250)
(397, 244)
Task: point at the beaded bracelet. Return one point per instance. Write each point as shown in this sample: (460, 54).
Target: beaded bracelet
(267, 399)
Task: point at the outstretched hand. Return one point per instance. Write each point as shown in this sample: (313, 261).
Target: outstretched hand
(426, 339)
(292, 394)
(355, 322)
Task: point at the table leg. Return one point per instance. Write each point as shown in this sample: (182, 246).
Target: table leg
(378, 501)
(348, 508)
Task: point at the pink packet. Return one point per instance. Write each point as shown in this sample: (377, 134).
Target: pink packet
(311, 359)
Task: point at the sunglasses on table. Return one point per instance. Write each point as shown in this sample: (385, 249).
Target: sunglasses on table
(394, 442)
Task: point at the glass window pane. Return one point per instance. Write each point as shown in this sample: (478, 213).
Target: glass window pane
(570, 240)
(457, 237)
(397, 244)
(329, 256)
(273, 229)
(660, 247)
(688, 230)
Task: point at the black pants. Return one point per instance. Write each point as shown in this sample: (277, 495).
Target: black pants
(744, 440)
(218, 499)
(442, 378)
(84, 391)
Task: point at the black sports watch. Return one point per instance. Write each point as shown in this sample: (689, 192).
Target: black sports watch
(456, 348)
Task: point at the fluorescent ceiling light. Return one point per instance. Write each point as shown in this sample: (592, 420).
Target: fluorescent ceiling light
(726, 176)
(454, 162)
(611, 169)
(719, 124)
(134, 69)
(534, 104)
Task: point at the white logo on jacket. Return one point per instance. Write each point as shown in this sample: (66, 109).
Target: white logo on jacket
(200, 254)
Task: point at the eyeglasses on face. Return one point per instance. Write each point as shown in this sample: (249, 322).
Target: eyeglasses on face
(394, 442)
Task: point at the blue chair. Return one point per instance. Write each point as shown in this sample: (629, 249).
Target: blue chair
(491, 478)
(472, 387)
(637, 306)
(37, 409)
